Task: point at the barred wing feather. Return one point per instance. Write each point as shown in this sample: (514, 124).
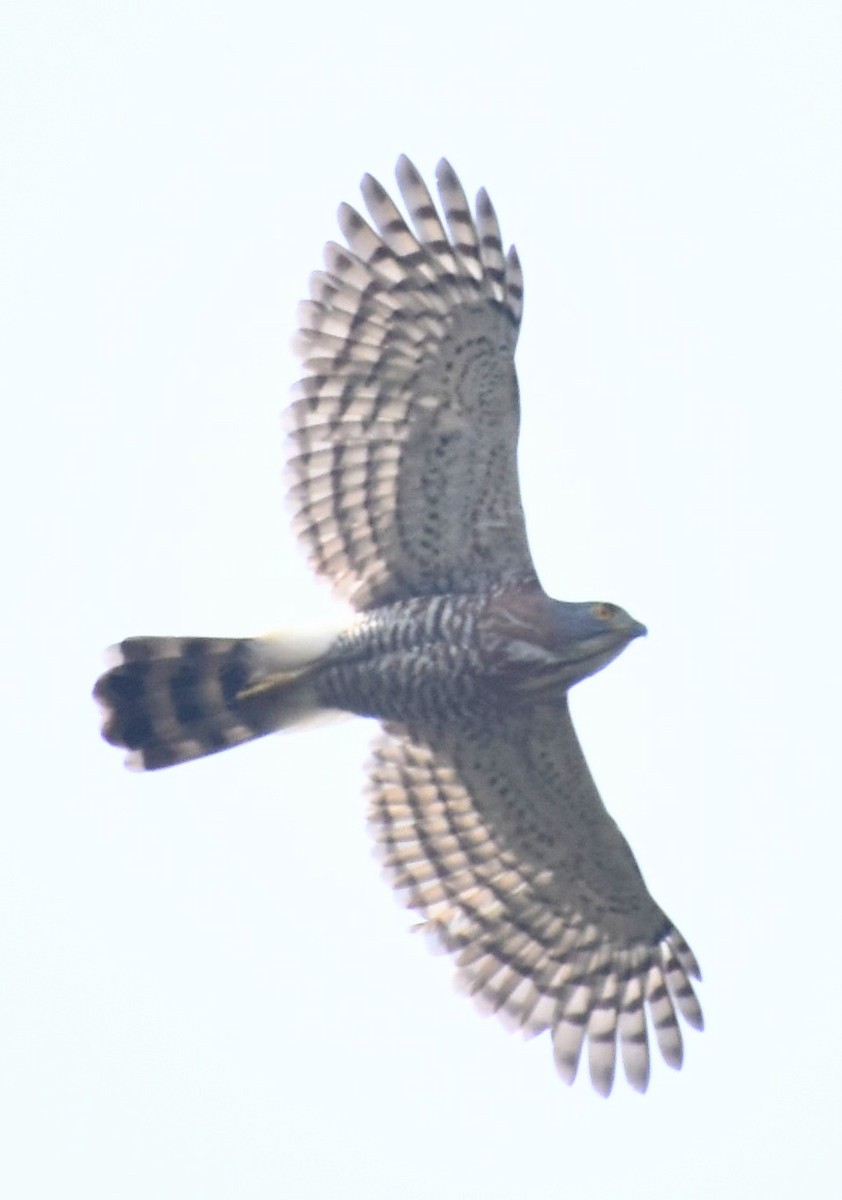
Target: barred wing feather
(504, 846)
(404, 427)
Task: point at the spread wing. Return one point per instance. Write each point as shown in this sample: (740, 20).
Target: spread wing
(504, 846)
(404, 427)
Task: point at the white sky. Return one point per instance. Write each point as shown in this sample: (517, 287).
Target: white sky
(206, 990)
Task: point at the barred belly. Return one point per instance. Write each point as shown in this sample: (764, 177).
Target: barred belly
(417, 660)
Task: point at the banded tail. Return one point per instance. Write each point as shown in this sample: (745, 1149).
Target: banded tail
(169, 699)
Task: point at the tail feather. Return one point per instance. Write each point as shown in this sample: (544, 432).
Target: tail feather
(169, 700)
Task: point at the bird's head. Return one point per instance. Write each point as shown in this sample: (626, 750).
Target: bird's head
(549, 645)
(591, 634)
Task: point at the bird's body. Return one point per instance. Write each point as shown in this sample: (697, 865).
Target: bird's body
(404, 483)
(470, 658)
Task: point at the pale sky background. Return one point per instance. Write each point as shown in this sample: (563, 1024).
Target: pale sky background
(206, 989)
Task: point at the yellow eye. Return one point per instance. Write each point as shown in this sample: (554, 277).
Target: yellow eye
(605, 612)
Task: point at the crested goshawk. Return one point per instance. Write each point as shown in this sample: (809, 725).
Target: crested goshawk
(405, 494)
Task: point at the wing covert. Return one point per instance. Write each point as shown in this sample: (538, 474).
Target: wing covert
(404, 427)
(504, 846)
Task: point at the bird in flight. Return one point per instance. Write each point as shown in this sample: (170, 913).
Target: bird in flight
(405, 494)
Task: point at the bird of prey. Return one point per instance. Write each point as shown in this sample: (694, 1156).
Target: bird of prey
(405, 494)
